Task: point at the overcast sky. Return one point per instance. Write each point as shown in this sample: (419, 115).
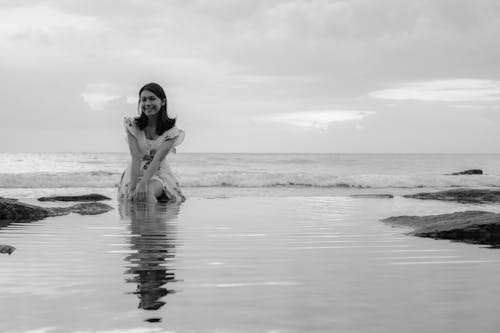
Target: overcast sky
(354, 76)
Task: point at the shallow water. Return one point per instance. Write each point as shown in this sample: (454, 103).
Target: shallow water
(248, 264)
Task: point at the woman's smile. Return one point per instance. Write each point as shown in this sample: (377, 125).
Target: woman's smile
(149, 109)
(150, 103)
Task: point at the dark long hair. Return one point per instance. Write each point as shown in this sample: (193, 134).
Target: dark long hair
(164, 122)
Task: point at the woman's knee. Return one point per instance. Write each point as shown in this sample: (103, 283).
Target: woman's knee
(155, 189)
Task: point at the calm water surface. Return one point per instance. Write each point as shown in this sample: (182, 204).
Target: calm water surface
(249, 264)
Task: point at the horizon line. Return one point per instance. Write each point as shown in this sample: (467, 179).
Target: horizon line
(266, 153)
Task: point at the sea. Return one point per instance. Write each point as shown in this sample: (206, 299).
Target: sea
(210, 175)
(275, 243)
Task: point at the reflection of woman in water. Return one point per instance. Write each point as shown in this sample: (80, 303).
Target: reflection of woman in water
(151, 137)
(153, 245)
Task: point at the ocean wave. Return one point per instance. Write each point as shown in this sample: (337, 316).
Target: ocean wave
(289, 184)
(92, 162)
(92, 179)
(301, 179)
(255, 179)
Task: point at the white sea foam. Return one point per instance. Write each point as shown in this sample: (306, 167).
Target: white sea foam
(91, 179)
(107, 179)
(315, 171)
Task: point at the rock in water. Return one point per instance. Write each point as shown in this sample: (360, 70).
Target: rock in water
(90, 208)
(373, 195)
(86, 197)
(475, 227)
(11, 209)
(460, 195)
(7, 249)
(468, 172)
(153, 320)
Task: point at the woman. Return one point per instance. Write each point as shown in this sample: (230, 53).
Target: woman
(151, 137)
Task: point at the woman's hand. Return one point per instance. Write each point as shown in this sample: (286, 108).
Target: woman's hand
(130, 189)
(140, 192)
(130, 192)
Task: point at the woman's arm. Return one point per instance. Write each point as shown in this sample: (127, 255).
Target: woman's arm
(165, 148)
(136, 160)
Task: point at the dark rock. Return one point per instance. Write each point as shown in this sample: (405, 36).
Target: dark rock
(86, 208)
(475, 227)
(152, 306)
(7, 249)
(380, 196)
(468, 172)
(90, 208)
(460, 195)
(11, 209)
(8, 198)
(153, 320)
(86, 197)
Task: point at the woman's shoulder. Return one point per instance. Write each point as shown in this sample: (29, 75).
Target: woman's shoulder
(174, 131)
(175, 134)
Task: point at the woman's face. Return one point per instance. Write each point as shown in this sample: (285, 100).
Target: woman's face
(149, 103)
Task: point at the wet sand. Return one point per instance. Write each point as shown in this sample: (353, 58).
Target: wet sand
(282, 264)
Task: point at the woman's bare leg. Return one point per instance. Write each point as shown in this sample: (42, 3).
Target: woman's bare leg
(154, 191)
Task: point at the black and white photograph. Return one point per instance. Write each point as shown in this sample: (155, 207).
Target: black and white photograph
(254, 166)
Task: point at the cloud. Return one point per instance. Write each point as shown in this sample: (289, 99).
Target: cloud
(225, 61)
(42, 21)
(131, 100)
(312, 16)
(314, 119)
(97, 95)
(451, 90)
(97, 101)
(476, 107)
(43, 35)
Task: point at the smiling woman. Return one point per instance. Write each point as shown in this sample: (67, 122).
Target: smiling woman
(151, 137)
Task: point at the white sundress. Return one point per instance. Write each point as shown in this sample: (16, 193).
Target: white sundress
(147, 149)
